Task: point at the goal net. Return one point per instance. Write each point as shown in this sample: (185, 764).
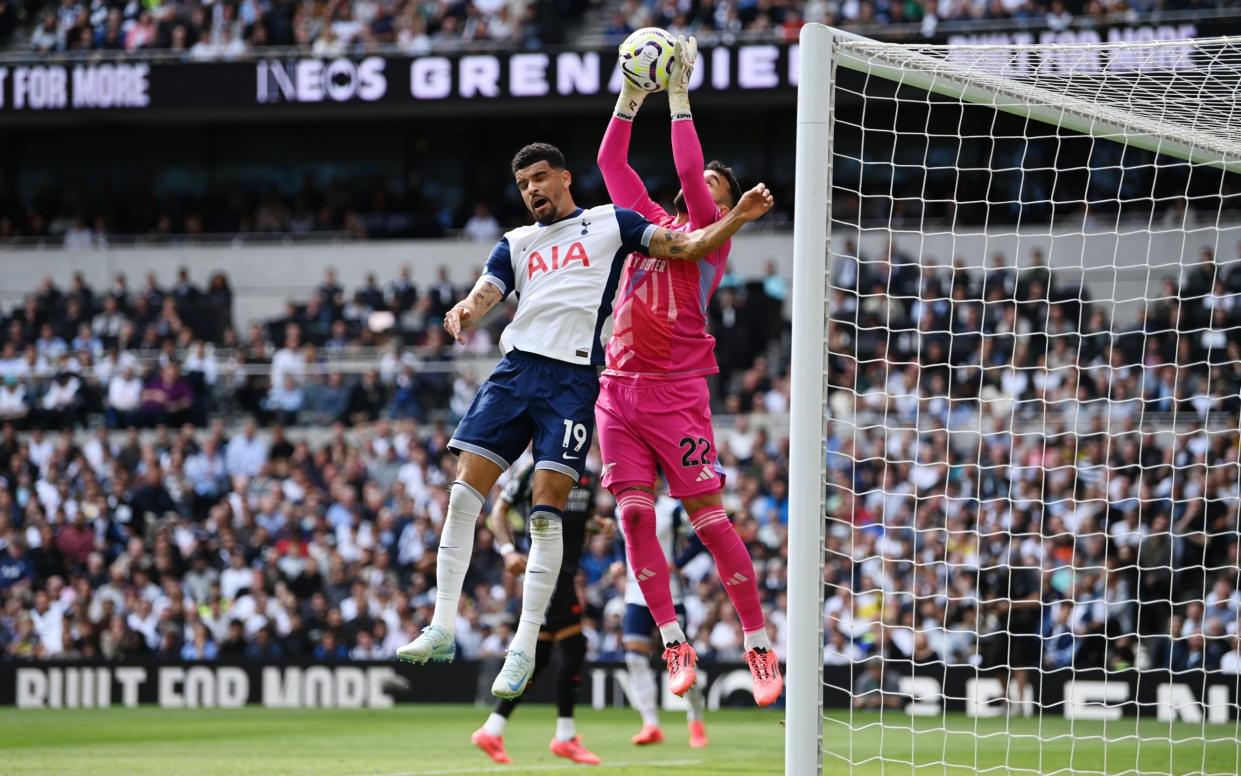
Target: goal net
(1017, 392)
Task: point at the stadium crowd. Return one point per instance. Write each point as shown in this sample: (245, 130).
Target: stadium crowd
(240, 542)
(205, 31)
(1016, 479)
(156, 355)
(1062, 528)
(208, 31)
(725, 20)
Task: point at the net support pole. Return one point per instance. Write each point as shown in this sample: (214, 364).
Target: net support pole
(803, 704)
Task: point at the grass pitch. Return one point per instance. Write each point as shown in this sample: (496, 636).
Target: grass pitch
(434, 741)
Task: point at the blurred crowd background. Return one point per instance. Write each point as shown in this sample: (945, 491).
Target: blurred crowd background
(1017, 475)
(1015, 478)
(1018, 478)
(285, 496)
(201, 30)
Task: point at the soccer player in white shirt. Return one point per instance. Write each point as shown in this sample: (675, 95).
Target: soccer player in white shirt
(564, 268)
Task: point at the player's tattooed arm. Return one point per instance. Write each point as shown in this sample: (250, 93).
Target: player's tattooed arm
(691, 246)
(471, 310)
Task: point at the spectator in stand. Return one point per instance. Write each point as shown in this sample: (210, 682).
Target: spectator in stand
(285, 401)
(368, 398)
(200, 646)
(247, 452)
(108, 322)
(402, 293)
(15, 566)
(167, 399)
(124, 399)
(442, 293)
(144, 33)
(62, 402)
(14, 404)
(47, 37)
(1229, 664)
(49, 346)
(76, 539)
(482, 226)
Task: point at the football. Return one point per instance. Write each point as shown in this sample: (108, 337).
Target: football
(646, 58)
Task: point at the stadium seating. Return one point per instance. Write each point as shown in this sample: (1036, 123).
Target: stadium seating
(318, 543)
(949, 348)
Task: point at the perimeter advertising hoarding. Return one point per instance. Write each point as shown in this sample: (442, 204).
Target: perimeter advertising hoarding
(924, 690)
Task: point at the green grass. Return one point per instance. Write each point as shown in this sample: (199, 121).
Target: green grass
(415, 740)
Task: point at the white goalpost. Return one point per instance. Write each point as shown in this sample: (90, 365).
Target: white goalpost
(1015, 444)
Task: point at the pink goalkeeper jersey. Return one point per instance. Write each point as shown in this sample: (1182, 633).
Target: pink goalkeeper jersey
(659, 320)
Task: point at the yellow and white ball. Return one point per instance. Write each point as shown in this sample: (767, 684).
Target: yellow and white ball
(646, 58)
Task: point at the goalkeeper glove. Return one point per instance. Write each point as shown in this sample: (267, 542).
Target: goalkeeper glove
(629, 100)
(685, 54)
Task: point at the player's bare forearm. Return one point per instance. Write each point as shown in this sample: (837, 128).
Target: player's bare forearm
(484, 297)
(497, 521)
(666, 244)
(471, 310)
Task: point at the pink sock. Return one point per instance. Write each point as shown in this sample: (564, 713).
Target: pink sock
(650, 566)
(732, 563)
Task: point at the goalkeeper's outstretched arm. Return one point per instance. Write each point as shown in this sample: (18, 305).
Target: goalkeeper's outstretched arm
(687, 155)
(691, 246)
(686, 149)
(625, 187)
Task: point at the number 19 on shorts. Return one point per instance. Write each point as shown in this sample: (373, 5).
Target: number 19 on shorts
(575, 435)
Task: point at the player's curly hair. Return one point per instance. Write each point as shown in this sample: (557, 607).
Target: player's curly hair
(734, 186)
(538, 152)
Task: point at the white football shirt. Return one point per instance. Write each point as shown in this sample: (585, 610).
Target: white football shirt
(565, 275)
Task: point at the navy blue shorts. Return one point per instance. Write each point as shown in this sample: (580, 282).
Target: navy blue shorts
(531, 398)
(639, 624)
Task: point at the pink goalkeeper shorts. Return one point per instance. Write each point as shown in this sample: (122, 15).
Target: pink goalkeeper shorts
(650, 426)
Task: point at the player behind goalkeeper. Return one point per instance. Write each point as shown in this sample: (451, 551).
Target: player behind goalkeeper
(639, 625)
(654, 410)
(562, 627)
(564, 268)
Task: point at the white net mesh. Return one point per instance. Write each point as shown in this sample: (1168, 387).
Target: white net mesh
(1033, 393)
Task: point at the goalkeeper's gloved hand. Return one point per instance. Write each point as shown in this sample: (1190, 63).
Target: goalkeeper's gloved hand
(685, 54)
(630, 99)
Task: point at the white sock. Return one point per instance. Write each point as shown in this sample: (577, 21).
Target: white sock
(456, 546)
(542, 569)
(495, 724)
(697, 704)
(565, 729)
(672, 633)
(757, 640)
(643, 692)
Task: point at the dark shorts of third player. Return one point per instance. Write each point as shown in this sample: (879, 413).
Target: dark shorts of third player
(564, 612)
(639, 624)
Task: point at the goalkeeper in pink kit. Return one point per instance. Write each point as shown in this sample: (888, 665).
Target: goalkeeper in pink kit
(653, 413)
